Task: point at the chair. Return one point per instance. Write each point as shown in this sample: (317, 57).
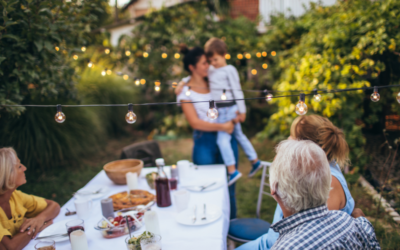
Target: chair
(248, 229)
(147, 151)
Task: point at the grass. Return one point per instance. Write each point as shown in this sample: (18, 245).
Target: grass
(61, 184)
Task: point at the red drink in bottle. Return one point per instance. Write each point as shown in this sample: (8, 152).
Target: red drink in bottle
(162, 186)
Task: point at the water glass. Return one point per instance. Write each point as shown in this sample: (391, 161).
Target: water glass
(153, 243)
(74, 225)
(45, 245)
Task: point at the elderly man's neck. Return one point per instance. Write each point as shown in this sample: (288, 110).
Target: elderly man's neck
(286, 212)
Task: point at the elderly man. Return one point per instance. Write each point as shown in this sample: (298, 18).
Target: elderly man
(300, 181)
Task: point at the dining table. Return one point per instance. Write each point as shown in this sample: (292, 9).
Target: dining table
(175, 236)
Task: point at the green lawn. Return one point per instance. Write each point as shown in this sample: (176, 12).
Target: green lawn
(60, 185)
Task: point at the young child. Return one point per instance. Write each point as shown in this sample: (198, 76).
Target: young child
(224, 79)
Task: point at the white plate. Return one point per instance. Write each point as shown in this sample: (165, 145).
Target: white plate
(196, 185)
(85, 192)
(56, 228)
(186, 216)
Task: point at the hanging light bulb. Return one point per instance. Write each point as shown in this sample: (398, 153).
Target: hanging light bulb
(107, 51)
(127, 53)
(126, 77)
(142, 81)
(273, 53)
(317, 97)
(157, 88)
(212, 113)
(265, 66)
(398, 97)
(90, 64)
(268, 96)
(227, 56)
(375, 96)
(145, 54)
(264, 53)
(130, 116)
(254, 71)
(104, 72)
(59, 117)
(177, 55)
(164, 55)
(57, 48)
(174, 84)
(188, 92)
(248, 56)
(83, 48)
(75, 57)
(301, 107)
(223, 96)
(258, 54)
(137, 81)
(109, 71)
(240, 56)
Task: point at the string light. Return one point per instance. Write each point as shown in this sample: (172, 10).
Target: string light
(174, 84)
(90, 64)
(157, 88)
(264, 53)
(188, 91)
(137, 81)
(258, 54)
(109, 71)
(59, 117)
(265, 66)
(107, 51)
(130, 116)
(273, 53)
(177, 55)
(126, 77)
(254, 71)
(301, 107)
(104, 72)
(268, 96)
(375, 96)
(164, 55)
(83, 48)
(145, 54)
(317, 97)
(248, 56)
(240, 56)
(223, 96)
(75, 57)
(398, 97)
(57, 48)
(227, 56)
(212, 112)
(127, 53)
(142, 81)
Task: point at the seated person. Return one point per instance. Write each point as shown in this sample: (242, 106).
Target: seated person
(22, 216)
(300, 180)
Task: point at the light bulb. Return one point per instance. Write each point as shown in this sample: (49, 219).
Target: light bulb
(301, 107)
(240, 56)
(104, 72)
(174, 84)
(157, 88)
(177, 55)
(142, 81)
(227, 56)
(398, 97)
(127, 53)
(317, 97)
(109, 71)
(75, 57)
(90, 64)
(164, 55)
(212, 112)
(258, 54)
(248, 56)
(107, 51)
(126, 77)
(188, 92)
(130, 116)
(268, 96)
(145, 54)
(264, 54)
(59, 117)
(57, 48)
(254, 71)
(273, 53)
(137, 81)
(375, 96)
(83, 48)
(223, 96)
(265, 66)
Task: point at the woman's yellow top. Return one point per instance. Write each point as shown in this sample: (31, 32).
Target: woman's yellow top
(22, 206)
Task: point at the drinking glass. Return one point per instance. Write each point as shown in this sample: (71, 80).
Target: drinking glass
(45, 245)
(153, 243)
(74, 225)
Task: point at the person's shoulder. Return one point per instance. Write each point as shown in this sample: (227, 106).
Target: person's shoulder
(231, 68)
(182, 95)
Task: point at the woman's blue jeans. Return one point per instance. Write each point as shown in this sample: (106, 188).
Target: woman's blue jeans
(206, 152)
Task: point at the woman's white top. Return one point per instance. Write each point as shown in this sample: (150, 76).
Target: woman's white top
(201, 107)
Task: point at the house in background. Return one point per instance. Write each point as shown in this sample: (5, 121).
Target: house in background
(248, 8)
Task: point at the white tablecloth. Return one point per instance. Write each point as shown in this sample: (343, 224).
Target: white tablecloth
(174, 236)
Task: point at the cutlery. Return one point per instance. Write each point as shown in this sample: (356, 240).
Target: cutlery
(204, 213)
(52, 236)
(88, 193)
(194, 215)
(204, 187)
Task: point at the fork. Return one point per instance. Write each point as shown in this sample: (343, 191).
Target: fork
(204, 213)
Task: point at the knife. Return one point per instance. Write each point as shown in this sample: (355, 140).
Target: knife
(204, 187)
(52, 236)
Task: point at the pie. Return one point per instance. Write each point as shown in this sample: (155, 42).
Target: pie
(136, 197)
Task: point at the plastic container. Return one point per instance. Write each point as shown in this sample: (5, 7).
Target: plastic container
(118, 231)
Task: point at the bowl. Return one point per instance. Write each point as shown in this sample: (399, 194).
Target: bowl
(116, 170)
(118, 231)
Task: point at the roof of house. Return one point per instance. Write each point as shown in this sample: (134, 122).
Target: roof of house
(125, 7)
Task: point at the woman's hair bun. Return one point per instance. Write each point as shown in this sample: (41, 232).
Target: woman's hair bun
(183, 48)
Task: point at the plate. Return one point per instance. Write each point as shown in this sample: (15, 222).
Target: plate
(196, 186)
(56, 228)
(186, 216)
(86, 192)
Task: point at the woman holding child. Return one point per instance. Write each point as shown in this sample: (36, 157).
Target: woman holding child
(22, 216)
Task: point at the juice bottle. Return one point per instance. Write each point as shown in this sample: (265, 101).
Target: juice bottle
(162, 185)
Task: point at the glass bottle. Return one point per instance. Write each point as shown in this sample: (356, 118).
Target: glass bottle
(162, 185)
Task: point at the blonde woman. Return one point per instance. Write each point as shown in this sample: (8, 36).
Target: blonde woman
(22, 216)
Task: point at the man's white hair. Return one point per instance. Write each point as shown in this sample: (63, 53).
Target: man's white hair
(300, 175)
